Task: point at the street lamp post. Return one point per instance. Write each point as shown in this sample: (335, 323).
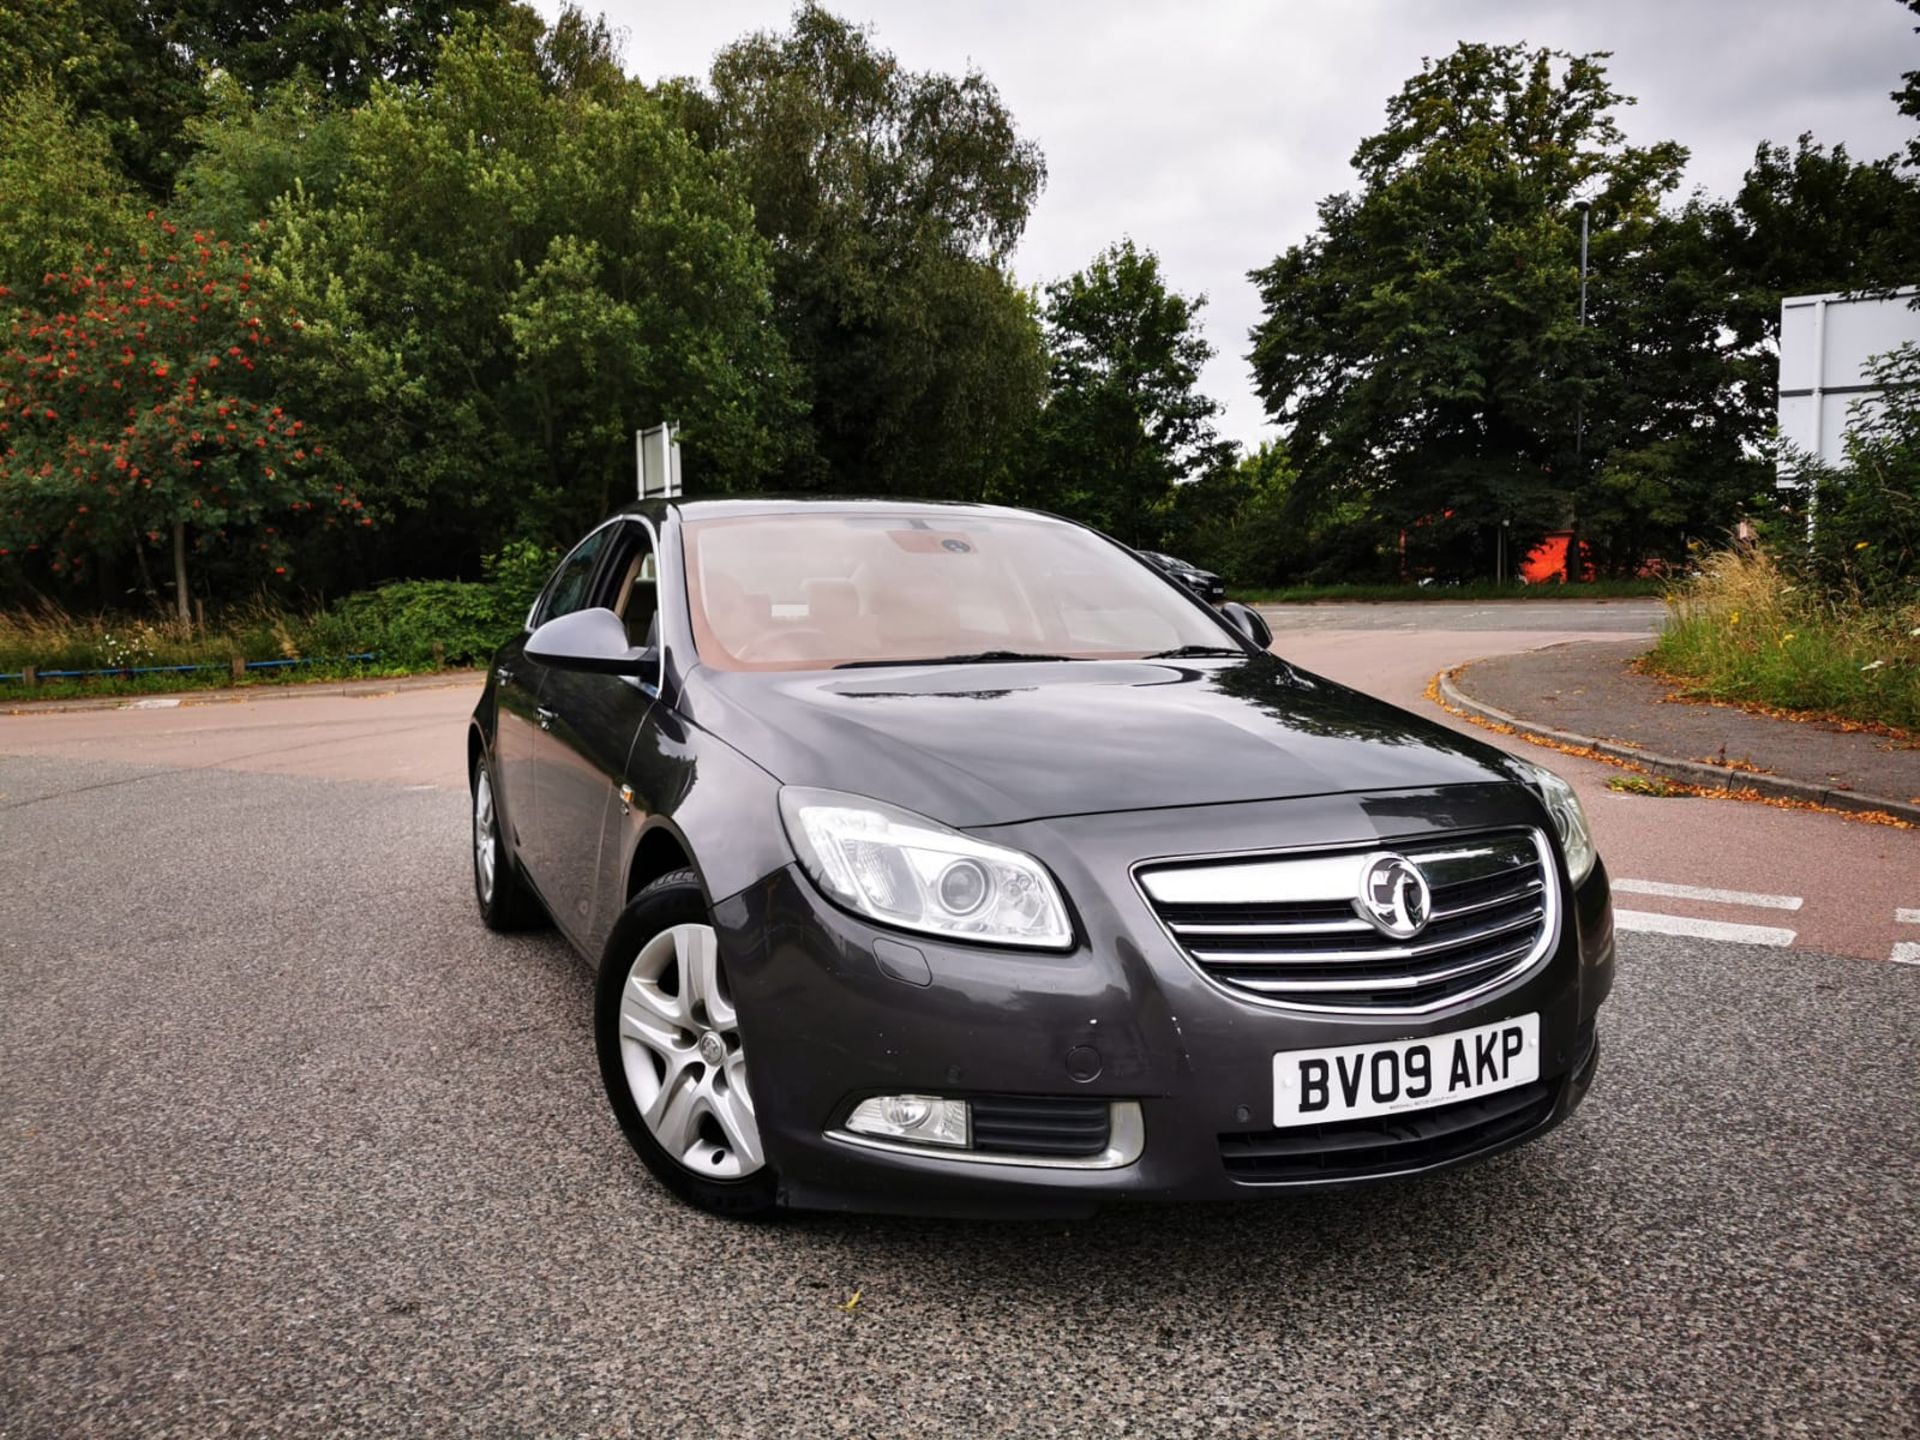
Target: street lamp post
(1580, 398)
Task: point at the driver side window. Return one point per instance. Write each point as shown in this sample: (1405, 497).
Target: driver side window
(569, 589)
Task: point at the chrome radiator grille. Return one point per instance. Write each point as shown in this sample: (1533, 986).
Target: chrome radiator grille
(1289, 928)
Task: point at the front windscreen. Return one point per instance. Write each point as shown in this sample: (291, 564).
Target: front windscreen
(811, 591)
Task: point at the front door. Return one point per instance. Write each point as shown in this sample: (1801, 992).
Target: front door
(587, 728)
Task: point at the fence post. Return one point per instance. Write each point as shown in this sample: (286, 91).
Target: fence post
(30, 675)
(239, 663)
(439, 655)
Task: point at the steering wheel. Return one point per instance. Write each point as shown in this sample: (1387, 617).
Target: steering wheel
(801, 644)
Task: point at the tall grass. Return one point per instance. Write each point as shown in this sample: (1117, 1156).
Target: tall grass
(1748, 630)
(406, 627)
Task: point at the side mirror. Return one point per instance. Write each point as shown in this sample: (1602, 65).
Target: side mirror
(1248, 622)
(593, 640)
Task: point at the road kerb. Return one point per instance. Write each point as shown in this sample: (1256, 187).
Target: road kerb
(1693, 772)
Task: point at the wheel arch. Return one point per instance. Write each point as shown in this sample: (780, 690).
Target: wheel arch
(661, 850)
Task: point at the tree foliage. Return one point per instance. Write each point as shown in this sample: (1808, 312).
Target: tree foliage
(508, 280)
(64, 195)
(1425, 350)
(890, 199)
(1125, 421)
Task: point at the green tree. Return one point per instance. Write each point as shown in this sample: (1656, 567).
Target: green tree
(246, 155)
(1424, 348)
(133, 413)
(1235, 519)
(122, 64)
(1125, 421)
(1812, 220)
(506, 283)
(139, 67)
(64, 194)
(890, 199)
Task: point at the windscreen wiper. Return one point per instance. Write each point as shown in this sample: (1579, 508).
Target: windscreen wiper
(979, 657)
(1193, 652)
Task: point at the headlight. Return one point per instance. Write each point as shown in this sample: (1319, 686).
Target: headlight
(906, 870)
(1569, 820)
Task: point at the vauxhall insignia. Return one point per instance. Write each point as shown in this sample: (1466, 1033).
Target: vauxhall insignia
(1393, 896)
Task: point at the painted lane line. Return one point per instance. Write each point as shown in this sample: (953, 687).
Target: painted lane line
(1717, 897)
(1906, 917)
(1657, 924)
(1906, 952)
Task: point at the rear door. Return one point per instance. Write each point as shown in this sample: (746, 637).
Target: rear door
(587, 728)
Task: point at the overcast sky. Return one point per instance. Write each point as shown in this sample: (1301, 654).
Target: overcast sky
(1208, 130)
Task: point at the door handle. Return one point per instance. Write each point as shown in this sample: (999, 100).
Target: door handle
(546, 717)
(504, 674)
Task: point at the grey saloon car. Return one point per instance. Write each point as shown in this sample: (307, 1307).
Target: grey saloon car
(954, 859)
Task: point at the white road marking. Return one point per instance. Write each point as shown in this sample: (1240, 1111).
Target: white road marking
(1906, 917)
(1717, 897)
(1906, 952)
(1657, 924)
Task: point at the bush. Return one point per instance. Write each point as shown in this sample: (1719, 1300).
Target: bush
(1748, 630)
(403, 621)
(1866, 533)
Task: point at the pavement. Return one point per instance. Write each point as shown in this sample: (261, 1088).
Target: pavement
(1588, 692)
(291, 1145)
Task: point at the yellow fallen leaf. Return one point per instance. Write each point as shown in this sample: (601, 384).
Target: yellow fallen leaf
(852, 1303)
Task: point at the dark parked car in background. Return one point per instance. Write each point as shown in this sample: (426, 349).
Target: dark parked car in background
(1204, 583)
(943, 858)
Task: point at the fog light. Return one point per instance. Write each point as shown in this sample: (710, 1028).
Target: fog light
(922, 1119)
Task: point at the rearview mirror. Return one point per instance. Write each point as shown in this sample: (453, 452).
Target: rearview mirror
(593, 640)
(1249, 623)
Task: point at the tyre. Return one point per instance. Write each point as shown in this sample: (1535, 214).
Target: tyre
(506, 901)
(671, 1057)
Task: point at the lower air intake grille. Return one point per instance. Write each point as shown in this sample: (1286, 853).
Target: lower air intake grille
(1039, 1125)
(1355, 1149)
(1289, 928)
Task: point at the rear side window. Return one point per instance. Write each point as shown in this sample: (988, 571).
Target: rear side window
(570, 587)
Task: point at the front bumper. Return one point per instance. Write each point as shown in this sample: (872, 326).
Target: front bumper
(1124, 1016)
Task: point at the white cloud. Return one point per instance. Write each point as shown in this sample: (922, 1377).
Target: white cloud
(1209, 130)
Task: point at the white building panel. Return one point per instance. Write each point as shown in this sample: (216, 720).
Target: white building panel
(1826, 345)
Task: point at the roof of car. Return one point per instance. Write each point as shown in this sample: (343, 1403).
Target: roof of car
(740, 506)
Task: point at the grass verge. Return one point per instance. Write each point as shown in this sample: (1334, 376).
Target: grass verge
(411, 628)
(1746, 633)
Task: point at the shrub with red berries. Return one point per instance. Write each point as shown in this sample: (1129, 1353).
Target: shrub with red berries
(133, 398)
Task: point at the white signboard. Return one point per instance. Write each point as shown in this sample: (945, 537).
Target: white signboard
(657, 457)
(1825, 344)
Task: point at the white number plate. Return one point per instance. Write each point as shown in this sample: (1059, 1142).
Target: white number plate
(1312, 1087)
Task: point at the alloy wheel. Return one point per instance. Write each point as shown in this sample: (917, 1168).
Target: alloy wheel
(680, 1049)
(485, 852)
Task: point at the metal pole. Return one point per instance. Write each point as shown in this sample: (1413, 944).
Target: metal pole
(1573, 569)
(1580, 401)
(1586, 210)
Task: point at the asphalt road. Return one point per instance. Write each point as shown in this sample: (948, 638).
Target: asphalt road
(290, 1145)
